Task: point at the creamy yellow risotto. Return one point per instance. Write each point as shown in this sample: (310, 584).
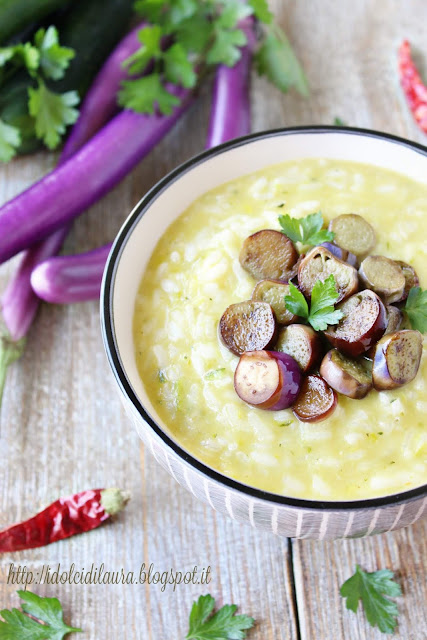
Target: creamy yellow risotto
(366, 448)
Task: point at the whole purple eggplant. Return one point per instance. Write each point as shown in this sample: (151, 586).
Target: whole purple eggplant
(19, 304)
(231, 110)
(63, 280)
(64, 193)
(100, 102)
(77, 278)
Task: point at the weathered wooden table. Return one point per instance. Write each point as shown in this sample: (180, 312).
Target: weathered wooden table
(63, 428)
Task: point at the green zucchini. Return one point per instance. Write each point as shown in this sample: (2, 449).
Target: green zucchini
(15, 15)
(92, 28)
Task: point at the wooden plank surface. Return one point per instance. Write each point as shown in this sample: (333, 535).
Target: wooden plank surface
(63, 429)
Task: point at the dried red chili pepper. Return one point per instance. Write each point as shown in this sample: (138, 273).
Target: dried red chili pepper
(414, 88)
(64, 518)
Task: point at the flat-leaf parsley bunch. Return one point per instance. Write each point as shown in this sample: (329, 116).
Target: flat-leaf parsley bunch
(202, 34)
(43, 59)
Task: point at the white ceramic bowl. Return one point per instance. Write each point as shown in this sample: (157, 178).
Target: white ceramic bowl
(127, 262)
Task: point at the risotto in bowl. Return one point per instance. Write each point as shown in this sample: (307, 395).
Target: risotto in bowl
(263, 313)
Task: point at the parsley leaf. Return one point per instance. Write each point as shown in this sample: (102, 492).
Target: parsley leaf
(327, 316)
(150, 38)
(22, 53)
(277, 60)
(10, 139)
(225, 49)
(46, 54)
(52, 112)
(180, 10)
(296, 303)
(6, 54)
(306, 230)
(369, 588)
(30, 56)
(222, 625)
(339, 123)
(322, 312)
(200, 611)
(143, 94)
(416, 309)
(261, 10)
(54, 59)
(195, 34)
(233, 12)
(178, 69)
(323, 298)
(170, 13)
(49, 624)
(324, 294)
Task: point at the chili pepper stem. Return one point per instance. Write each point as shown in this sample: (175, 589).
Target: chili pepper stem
(113, 500)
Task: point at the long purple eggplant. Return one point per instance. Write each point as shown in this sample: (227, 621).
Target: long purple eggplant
(19, 303)
(231, 112)
(100, 102)
(68, 190)
(65, 279)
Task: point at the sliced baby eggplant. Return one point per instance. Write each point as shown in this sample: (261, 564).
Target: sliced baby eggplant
(342, 254)
(354, 233)
(318, 264)
(397, 359)
(269, 254)
(384, 276)
(394, 319)
(316, 400)
(362, 325)
(274, 292)
(302, 343)
(352, 378)
(411, 278)
(248, 326)
(267, 380)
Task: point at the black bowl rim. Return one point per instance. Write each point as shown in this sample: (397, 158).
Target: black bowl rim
(110, 344)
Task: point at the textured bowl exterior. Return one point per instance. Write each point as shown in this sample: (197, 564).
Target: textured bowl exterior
(277, 514)
(282, 520)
